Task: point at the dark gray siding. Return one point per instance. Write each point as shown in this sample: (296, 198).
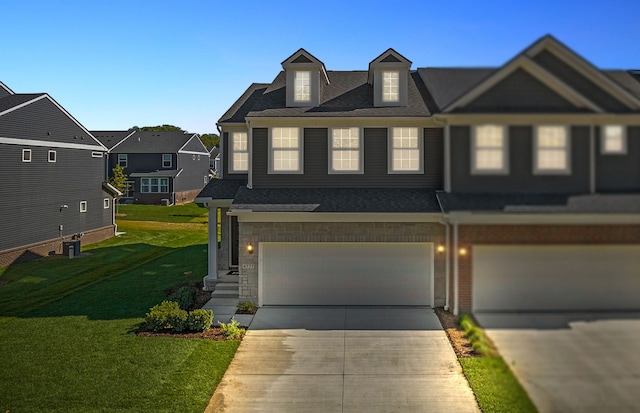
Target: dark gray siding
(316, 159)
(141, 162)
(226, 159)
(520, 178)
(193, 172)
(578, 82)
(33, 192)
(519, 92)
(619, 173)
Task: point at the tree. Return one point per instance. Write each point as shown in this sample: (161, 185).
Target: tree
(159, 128)
(119, 179)
(210, 139)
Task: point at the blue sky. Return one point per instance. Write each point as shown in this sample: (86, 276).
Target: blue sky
(115, 64)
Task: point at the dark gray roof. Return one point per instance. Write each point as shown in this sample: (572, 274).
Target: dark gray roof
(4, 90)
(153, 142)
(337, 200)
(222, 188)
(626, 80)
(447, 84)
(110, 138)
(497, 202)
(11, 101)
(213, 151)
(161, 173)
(243, 105)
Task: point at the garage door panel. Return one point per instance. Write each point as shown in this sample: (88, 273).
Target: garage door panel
(346, 273)
(556, 277)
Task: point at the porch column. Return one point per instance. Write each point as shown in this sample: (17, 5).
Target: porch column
(213, 242)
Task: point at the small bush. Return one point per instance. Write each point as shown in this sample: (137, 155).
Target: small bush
(199, 320)
(167, 316)
(247, 307)
(476, 336)
(185, 297)
(232, 330)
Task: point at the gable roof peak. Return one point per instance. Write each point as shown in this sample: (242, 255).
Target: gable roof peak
(4, 90)
(304, 60)
(391, 56)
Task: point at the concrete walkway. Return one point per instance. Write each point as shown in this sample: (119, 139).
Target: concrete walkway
(334, 359)
(575, 362)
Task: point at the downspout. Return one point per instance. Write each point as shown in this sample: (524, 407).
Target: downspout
(447, 252)
(222, 157)
(592, 160)
(250, 147)
(456, 295)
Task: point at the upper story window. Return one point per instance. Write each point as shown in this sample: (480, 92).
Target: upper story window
(285, 151)
(345, 152)
(154, 185)
(390, 86)
(239, 152)
(166, 160)
(551, 150)
(26, 155)
(122, 160)
(405, 150)
(96, 154)
(83, 206)
(51, 157)
(105, 203)
(613, 140)
(302, 86)
(489, 150)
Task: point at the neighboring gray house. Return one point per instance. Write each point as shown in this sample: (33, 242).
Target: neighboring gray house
(163, 167)
(53, 183)
(214, 161)
(514, 188)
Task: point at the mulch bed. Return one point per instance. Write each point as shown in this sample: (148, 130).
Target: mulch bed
(459, 342)
(213, 333)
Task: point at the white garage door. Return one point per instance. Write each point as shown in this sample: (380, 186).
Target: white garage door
(346, 273)
(557, 277)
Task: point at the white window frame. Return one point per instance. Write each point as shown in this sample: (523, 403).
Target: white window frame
(123, 159)
(164, 160)
(604, 150)
(390, 86)
(105, 203)
(96, 154)
(238, 148)
(537, 148)
(83, 206)
(333, 151)
(27, 155)
(51, 159)
(302, 86)
(476, 148)
(392, 150)
(299, 149)
(149, 185)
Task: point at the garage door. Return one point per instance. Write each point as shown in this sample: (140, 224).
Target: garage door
(561, 277)
(346, 273)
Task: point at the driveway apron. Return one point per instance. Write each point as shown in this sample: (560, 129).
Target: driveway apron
(572, 362)
(336, 359)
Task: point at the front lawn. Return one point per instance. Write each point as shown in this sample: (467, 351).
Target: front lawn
(67, 339)
(176, 213)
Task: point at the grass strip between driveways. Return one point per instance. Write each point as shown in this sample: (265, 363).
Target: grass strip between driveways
(67, 339)
(496, 388)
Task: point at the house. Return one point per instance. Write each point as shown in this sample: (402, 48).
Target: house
(214, 161)
(53, 181)
(162, 167)
(513, 188)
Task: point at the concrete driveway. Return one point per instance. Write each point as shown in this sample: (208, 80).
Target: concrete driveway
(333, 359)
(572, 362)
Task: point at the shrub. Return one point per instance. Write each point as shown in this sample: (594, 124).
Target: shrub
(247, 307)
(232, 330)
(167, 316)
(185, 297)
(476, 336)
(199, 320)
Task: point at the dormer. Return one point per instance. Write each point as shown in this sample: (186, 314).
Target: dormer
(305, 77)
(389, 76)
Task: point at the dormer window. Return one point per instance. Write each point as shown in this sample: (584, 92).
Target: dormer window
(302, 86)
(390, 86)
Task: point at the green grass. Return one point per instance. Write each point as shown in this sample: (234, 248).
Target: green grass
(176, 213)
(496, 388)
(66, 328)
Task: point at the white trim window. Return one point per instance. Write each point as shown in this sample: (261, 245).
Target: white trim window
(154, 185)
(83, 206)
(613, 140)
(51, 156)
(105, 203)
(167, 161)
(26, 155)
(345, 151)
(302, 86)
(405, 149)
(239, 152)
(285, 155)
(391, 86)
(489, 150)
(96, 154)
(123, 160)
(552, 150)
